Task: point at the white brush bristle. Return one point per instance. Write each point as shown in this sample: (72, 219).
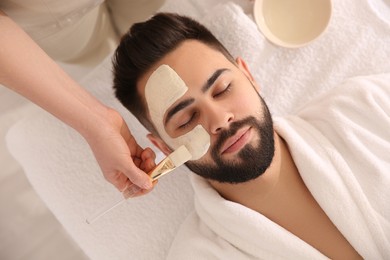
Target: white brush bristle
(180, 156)
(198, 142)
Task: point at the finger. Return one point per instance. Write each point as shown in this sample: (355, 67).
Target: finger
(143, 191)
(134, 147)
(129, 168)
(137, 161)
(148, 153)
(148, 160)
(120, 181)
(148, 165)
(127, 184)
(136, 175)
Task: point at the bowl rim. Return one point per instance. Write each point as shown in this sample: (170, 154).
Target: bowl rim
(262, 26)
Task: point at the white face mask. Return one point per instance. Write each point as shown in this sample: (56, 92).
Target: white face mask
(163, 88)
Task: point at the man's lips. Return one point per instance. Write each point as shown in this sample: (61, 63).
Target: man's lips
(237, 141)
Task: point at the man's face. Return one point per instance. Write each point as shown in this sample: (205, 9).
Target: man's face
(221, 97)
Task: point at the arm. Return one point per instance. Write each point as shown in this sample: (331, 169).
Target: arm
(29, 71)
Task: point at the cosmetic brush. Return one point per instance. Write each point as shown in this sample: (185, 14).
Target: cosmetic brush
(171, 162)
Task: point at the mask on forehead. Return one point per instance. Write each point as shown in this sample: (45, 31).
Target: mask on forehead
(163, 88)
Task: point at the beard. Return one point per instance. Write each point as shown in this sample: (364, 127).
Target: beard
(253, 161)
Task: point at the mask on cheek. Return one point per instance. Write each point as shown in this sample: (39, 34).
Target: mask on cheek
(163, 88)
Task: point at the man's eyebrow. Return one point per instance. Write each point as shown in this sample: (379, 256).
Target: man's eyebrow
(212, 79)
(183, 104)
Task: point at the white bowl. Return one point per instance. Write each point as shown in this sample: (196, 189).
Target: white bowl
(292, 23)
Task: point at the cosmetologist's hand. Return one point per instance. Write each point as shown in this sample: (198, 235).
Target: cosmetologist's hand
(38, 78)
(120, 158)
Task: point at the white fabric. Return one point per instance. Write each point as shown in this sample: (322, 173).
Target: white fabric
(356, 43)
(42, 18)
(62, 170)
(65, 30)
(340, 144)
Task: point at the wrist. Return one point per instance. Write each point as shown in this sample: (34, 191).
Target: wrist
(100, 124)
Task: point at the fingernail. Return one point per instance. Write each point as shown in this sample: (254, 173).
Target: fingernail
(147, 185)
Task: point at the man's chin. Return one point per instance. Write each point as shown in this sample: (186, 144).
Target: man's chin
(252, 158)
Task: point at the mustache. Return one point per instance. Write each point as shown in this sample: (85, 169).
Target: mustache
(234, 127)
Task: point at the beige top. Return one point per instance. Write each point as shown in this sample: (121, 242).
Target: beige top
(64, 29)
(41, 18)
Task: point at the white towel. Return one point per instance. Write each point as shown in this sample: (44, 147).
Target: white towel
(63, 171)
(346, 132)
(356, 43)
(340, 145)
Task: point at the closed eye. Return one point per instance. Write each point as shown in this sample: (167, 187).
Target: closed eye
(224, 91)
(189, 121)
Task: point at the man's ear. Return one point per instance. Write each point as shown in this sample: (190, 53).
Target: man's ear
(159, 143)
(241, 64)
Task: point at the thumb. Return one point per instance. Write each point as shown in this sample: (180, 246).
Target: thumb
(137, 176)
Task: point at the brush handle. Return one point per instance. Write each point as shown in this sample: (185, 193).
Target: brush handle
(165, 166)
(128, 193)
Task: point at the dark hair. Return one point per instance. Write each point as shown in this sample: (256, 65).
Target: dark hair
(145, 44)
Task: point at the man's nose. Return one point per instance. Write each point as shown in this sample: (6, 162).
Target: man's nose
(219, 118)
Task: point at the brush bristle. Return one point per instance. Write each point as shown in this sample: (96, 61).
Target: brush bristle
(180, 156)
